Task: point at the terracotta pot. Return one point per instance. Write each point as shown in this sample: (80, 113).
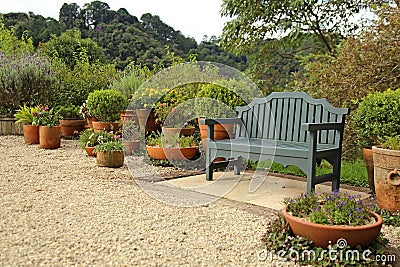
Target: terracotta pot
(90, 122)
(99, 126)
(181, 131)
(129, 115)
(180, 153)
(221, 131)
(50, 137)
(156, 152)
(69, 127)
(387, 178)
(89, 151)
(321, 234)
(31, 134)
(147, 120)
(111, 159)
(171, 153)
(131, 146)
(369, 162)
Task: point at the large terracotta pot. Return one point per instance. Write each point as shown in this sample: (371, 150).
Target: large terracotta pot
(90, 122)
(324, 235)
(131, 146)
(111, 159)
(369, 162)
(147, 120)
(182, 131)
(90, 151)
(69, 127)
(129, 115)
(387, 178)
(171, 153)
(49, 137)
(99, 126)
(31, 134)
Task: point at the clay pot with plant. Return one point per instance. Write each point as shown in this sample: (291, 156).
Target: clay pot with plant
(89, 139)
(376, 118)
(110, 153)
(106, 106)
(28, 116)
(328, 218)
(131, 137)
(49, 128)
(72, 121)
(171, 147)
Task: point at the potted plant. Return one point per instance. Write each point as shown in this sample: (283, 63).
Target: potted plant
(375, 118)
(387, 173)
(130, 137)
(327, 218)
(28, 116)
(72, 121)
(86, 115)
(106, 106)
(171, 147)
(89, 139)
(110, 153)
(143, 101)
(49, 128)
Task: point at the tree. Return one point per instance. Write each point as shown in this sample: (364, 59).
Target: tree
(70, 16)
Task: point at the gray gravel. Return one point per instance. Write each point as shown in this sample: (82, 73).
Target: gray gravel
(58, 208)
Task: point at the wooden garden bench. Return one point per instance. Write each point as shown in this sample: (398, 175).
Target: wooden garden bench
(290, 128)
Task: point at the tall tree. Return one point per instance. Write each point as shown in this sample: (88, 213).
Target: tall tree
(70, 16)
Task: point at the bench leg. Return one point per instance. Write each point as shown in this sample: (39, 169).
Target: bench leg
(336, 169)
(209, 172)
(311, 176)
(236, 169)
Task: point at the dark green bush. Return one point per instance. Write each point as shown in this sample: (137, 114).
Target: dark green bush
(26, 79)
(106, 105)
(377, 117)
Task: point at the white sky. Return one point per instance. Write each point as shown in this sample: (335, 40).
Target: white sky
(192, 17)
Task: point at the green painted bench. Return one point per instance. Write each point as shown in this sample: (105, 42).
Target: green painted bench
(290, 128)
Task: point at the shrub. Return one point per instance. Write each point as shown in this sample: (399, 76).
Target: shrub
(70, 112)
(27, 79)
(106, 105)
(377, 117)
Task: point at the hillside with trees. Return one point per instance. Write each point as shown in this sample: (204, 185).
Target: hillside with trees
(123, 37)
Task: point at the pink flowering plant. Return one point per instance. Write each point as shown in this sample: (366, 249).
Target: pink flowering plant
(46, 116)
(330, 209)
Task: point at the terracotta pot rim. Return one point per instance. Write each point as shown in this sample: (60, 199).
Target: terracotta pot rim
(379, 221)
(172, 147)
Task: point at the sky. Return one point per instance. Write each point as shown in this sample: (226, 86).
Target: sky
(193, 18)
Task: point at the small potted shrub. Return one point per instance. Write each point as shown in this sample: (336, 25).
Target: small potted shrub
(387, 173)
(106, 106)
(28, 116)
(110, 153)
(72, 121)
(49, 128)
(171, 147)
(89, 139)
(130, 136)
(376, 117)
(327, 218)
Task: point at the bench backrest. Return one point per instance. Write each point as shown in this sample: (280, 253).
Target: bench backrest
(279, 117)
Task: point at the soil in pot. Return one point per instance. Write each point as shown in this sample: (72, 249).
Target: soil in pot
(324, 235)
(50, 137)
(111, 159)
(31, 134)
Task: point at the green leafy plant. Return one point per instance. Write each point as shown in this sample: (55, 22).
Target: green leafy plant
(171, 140)
(390, 218)
(331, 209)
(70, 112)
(391, 142)
(131, 131)
(285, 246)
(47, 116)
(113, 145)
(106, 105)
(26, 114)
(91, 138)
(377, 117)
(146, 97)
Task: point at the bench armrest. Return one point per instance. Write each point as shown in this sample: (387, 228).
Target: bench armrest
(214, 121)
(312, 127)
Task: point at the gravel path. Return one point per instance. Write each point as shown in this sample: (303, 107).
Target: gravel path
(58, 208)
